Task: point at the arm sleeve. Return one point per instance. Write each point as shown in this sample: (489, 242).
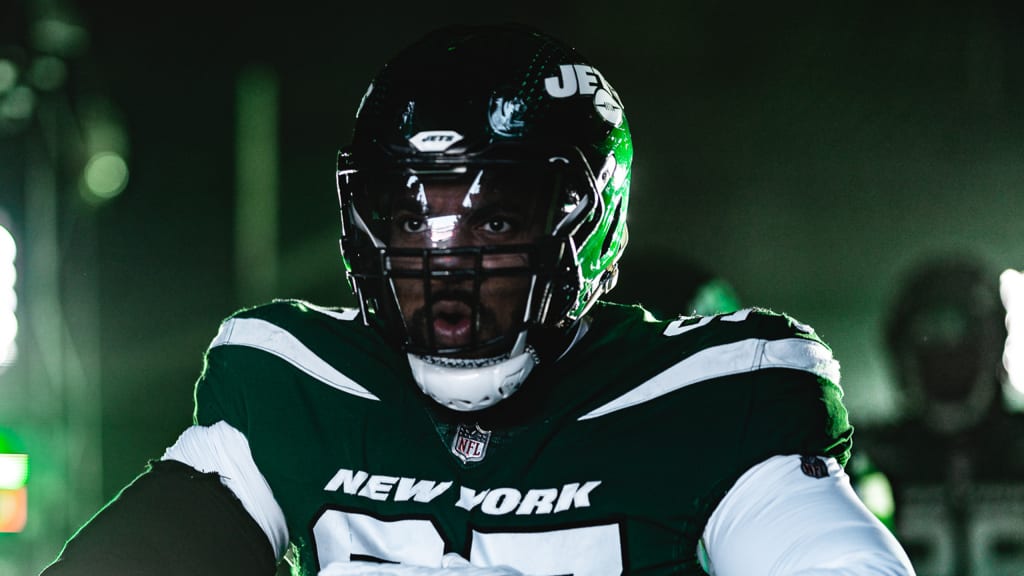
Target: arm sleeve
(781, 519)
(173, 519)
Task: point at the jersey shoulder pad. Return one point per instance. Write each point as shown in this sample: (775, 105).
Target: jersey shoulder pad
(655, 358)
(307, 323)
(286, 328)
(754, 370)
(289, 310)
(781, 340)
(744, 323)
(630, 331)
(286, 346)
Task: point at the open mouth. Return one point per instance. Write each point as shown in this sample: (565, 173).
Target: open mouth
(452, 324)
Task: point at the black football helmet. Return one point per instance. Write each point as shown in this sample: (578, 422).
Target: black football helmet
(946, 332)
(509, 111)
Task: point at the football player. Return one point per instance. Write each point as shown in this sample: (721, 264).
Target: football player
(482, 411)
(954, 461)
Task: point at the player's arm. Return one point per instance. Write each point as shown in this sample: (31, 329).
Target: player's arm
(172, 519)
(782, 519)
(203, 509)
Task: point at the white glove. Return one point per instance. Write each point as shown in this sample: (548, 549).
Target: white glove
(451, 565)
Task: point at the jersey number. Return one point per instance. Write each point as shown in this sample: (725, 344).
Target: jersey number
(345, 536)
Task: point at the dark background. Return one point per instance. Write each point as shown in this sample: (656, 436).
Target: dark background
(808, 153)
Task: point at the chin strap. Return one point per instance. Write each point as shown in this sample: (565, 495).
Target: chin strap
(468, 384)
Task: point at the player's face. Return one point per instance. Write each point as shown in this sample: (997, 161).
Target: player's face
(478, 296)
(949, 358)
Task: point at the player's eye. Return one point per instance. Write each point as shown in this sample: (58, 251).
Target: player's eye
(498, 226)
(413, 225)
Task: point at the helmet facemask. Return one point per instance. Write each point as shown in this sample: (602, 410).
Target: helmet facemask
(461, 260)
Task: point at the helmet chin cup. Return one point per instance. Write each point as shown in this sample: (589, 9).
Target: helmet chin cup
(468, 385)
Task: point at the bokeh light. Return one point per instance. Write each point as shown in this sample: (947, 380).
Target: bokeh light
(106, 175)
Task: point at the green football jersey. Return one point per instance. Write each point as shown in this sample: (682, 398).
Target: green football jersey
(608, 460)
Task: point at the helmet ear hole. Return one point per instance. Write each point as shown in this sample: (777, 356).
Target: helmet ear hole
(611, 230)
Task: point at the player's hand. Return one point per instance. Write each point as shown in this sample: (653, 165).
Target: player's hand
(451, 565)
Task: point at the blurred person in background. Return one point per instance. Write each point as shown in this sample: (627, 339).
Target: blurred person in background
(954, 462)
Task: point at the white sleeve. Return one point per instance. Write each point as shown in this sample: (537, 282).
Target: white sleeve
(223, 450)
(778, 521)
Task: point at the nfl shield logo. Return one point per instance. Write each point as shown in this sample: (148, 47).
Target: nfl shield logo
(470, 444)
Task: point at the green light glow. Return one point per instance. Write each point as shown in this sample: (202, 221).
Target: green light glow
(106, 176)
(19, 104)
(715, 297)
(876, 492)
(13, 471)
(47, 73)
(8, 75)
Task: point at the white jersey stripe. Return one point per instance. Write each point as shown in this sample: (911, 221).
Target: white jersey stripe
(263, 335)
(346, 314)
(727, 359)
